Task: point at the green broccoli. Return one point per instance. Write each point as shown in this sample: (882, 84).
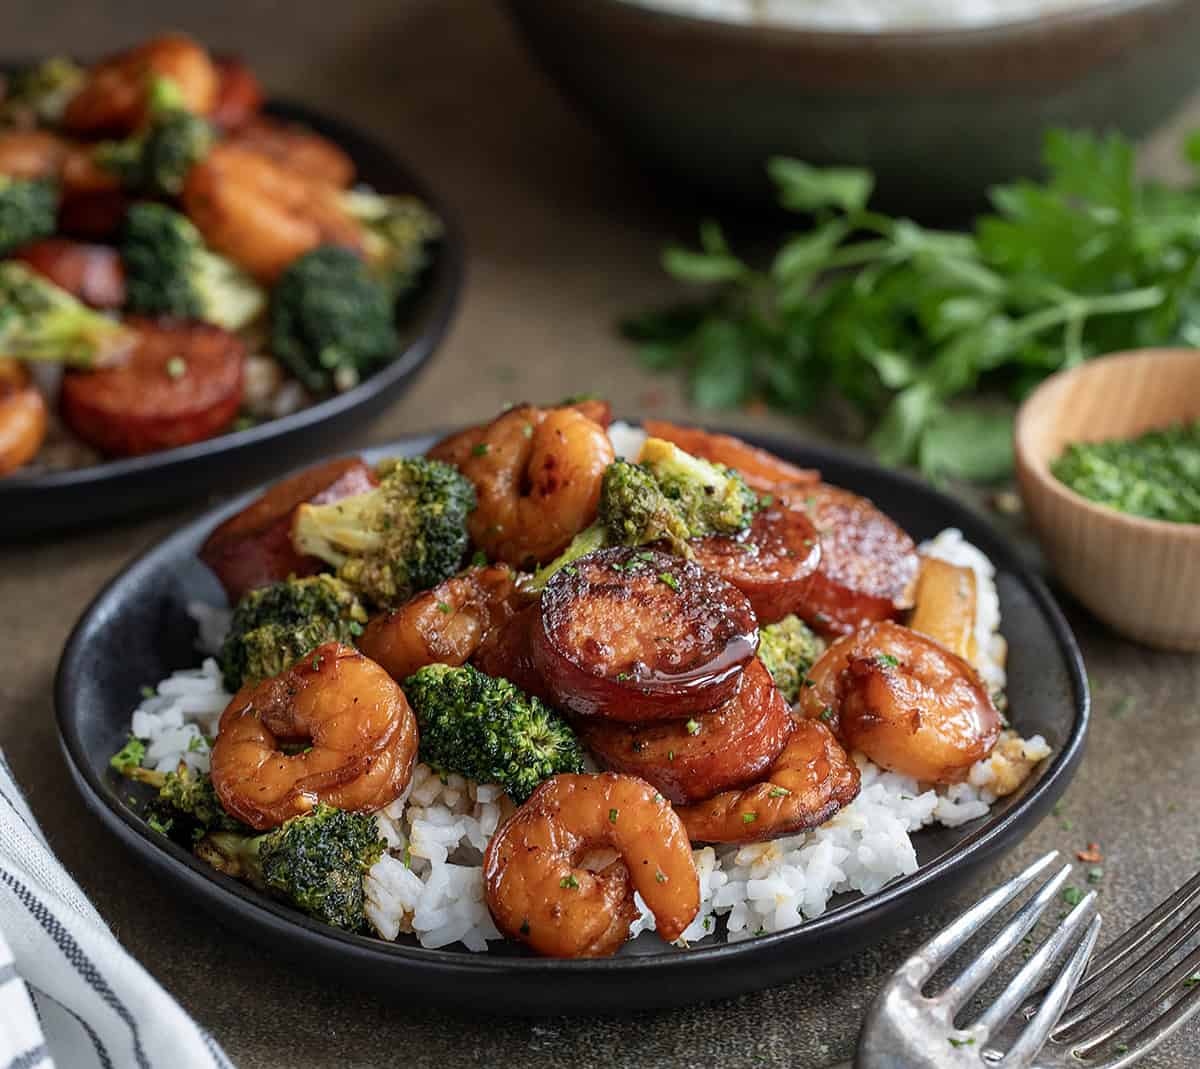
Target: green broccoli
(788, 649)
(668, 497)
(182, 793)
(487, 730)
(28, 211)
(169, 271)
(407, 534)
(399, 231)
(38, 95)
(42, 321)
(316, 862)
(331, 320)
(276, 625)
(155, 161)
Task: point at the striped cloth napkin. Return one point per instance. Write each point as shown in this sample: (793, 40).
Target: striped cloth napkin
(69, 994)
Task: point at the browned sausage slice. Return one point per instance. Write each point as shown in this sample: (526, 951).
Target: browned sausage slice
(239, 94)
(772, 562)
(641, 635)
(254, 547)
(507, 652)
(93, 273)
(690, 760)
(182, 383)
(868, 563)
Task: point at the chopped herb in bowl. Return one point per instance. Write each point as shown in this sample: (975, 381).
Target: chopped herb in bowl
(1156, 475)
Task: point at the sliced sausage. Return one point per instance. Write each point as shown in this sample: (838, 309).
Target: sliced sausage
(254, 547)
(507, 652)
(640, 635)
(181, 383)
(761, 469)
(690, 760)
(93, 273)
(772, 562)
(239, 94)
(444, 625)
(868, 563)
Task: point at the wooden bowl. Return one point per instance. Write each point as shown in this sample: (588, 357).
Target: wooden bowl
(1141, 577)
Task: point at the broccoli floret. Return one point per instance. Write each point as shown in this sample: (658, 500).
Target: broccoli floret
(711, 498)
(181, 793)
(331, 320)
(38, 95)
(407, 534)
(399, 231)
(28, 210)
(668, 497)
(42, 321)
(276, 625)
(170, 272)
(487, 730)
(788, 649)
(316, 862)
(155, 161)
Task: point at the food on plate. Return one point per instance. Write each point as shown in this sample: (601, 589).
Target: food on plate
(1155, 475)
(146, 194)
(539, 893)
(22, 416)
(633, 737)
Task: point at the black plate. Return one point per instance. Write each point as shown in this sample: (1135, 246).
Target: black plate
(137, 631)
(35, 504)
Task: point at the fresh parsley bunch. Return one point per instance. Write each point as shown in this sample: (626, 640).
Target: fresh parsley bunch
(904, 322)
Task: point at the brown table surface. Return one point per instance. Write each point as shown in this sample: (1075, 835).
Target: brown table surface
(563, 235)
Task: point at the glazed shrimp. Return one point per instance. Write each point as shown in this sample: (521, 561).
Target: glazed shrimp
(537, 474)
(113, 98)
(905, 701)
(261, 215)
(22, 416)
(809, 781)
(363, 735)
(538, 893)
(444, 625)
(32, 154)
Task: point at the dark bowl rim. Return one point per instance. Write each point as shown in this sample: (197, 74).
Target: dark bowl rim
(981, 843)
(440, 288)
(1095, 13)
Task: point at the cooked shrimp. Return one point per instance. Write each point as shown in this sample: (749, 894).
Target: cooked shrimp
(296, 148)
(537, 473)
(761, 469)
(363, 735)
(906, 702)
(539, 894)
(261, 215)
(22, 416)
(444, 625)
(810, 781)
(32, 154)
(113, 98)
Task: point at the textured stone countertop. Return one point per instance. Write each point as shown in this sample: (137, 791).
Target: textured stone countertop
(563, 236)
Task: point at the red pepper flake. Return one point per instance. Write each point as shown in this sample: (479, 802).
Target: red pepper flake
(1091, 855)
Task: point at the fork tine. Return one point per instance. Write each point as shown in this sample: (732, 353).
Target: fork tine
(1143, 930)
(1032, 1039)
(1024, 982)
(976, 974)
(1139, 1006)
(1088, 1004)
(1158, 1030)
(935, 953)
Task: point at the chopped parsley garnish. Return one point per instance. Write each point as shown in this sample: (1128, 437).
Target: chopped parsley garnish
(1072, 896)
(149, 692)
(660, 876)
(669, 580)
(1095, 875)
(569, 881)
(968, 1042)
(444, 608)
(826, 714)
(692, 727)
(887, 660)
(479, 559)
(749, 818)
(612, 815)
(778, 792)
(480, 450)
(176, 368)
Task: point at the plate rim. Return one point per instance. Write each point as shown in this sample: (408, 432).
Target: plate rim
(977, 845)
(444, 283)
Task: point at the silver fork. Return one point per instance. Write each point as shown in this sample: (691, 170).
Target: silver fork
(1072, 1023)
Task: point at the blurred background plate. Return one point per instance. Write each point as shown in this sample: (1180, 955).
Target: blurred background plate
(39, 503)
(939, 115)
(138, 629)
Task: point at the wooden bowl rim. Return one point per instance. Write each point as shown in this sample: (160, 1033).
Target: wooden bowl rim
(1037, 467)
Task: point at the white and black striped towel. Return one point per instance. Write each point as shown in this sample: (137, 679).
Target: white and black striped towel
(69, 994)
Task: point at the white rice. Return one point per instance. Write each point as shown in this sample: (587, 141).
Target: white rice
(626, 440)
